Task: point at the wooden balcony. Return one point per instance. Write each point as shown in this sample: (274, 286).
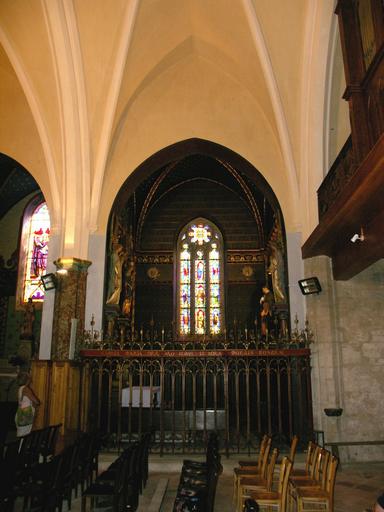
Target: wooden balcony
(351, 195)
(359, 206)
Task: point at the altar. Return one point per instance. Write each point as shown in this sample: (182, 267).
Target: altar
(144, 396)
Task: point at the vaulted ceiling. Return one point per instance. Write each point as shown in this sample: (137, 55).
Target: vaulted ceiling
(90, 89)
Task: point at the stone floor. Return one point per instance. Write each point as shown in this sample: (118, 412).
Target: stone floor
(357, 485)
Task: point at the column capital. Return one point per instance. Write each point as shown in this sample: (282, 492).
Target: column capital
(75, 264)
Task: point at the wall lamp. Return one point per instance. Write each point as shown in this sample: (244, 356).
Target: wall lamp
(309, 285)
(49, 281)
(357, 237)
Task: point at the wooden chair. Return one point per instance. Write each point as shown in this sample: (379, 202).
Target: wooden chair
(276, 499)
(309, 499)
(247, 484)
(308, 461)
(317, 480)
(43, 488)
(301, 475)
(48, 446)
(114, 492)
(258, 461)
(293, 448)
(254, 471)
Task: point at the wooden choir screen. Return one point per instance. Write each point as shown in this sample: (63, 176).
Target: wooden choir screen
(180, 395)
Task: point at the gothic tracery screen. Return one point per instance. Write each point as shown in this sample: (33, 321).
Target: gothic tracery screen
(200, 279)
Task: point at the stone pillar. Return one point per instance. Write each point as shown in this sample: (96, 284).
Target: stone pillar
(348, 356)
(69, 303)
(95, 281)
(58, 382)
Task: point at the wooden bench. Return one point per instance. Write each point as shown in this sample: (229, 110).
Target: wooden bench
(335, 446)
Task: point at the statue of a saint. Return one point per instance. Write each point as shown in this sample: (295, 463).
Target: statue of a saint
(128, 289)
(266, 313)
(276, 269)
(118, 258)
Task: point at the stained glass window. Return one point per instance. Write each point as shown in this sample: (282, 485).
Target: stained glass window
(200, 284)
(185, 290)
(37, 241)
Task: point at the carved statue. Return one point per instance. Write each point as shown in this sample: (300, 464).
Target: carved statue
(119, 256)
(129, 287)
(276, 269)
(276, 266)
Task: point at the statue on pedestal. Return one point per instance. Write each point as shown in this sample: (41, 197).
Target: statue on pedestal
(119, 256)
(276, 264)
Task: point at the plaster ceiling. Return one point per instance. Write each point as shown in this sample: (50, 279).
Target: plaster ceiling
(107, 84)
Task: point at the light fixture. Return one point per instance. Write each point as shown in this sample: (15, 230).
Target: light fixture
(309, 285)
(49, 281)
(357, 237)
(62, 271)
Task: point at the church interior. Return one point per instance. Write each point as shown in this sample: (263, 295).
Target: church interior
(191, 249)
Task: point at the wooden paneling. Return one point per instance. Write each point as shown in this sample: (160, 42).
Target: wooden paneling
(58, 386)
(41, 375)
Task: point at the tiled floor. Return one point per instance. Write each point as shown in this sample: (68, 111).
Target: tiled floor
(357, 485)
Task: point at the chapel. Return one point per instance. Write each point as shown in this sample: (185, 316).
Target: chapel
(191, 219)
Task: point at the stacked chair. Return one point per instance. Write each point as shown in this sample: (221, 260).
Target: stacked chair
(257, 484)
(198, 481)
(312, 489)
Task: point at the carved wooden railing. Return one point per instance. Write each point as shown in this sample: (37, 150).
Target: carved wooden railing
(338, 176)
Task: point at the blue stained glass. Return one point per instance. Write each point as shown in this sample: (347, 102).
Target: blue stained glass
(200, 271)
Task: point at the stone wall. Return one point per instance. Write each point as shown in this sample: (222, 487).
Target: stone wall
(348, 356)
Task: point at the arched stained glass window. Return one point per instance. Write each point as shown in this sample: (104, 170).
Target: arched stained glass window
(200, 279)
(35, 241)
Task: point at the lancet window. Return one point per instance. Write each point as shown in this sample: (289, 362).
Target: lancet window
(33, 252)
(200, 279)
